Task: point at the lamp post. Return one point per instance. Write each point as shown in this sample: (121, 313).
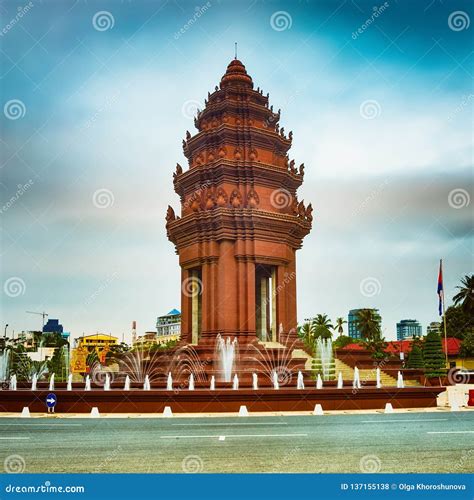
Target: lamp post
(5, 333)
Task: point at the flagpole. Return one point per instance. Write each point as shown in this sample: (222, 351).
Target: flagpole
(444, 321)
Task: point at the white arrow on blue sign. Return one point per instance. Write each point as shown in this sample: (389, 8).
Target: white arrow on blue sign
(51, 400)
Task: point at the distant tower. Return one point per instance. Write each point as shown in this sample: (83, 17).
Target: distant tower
(134, 332)
(240, 222)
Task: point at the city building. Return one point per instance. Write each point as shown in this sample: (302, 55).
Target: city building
(352, 322)
(408, 328)
(96, 342)
(169, 324)
(434, 326)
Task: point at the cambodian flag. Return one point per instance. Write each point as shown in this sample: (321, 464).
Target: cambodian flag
(440, 288)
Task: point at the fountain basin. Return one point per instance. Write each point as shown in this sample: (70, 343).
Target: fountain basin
(221, 400)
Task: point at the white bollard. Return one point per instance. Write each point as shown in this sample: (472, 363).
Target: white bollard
(167, 412)
(243, 412)
(95, 412)
(318, 410)
(25, 413)
(388, 408)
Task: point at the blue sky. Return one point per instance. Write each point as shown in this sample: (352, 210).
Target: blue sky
(382, 119)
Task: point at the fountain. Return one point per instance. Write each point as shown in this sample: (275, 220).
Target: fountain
(276, 385)
(319, 382)
(300, 381)
(146, 384)
(400, 383)
(191, 382)
(169, 382)
(378, 383)
(126, 386)
(356, 381)
(34, 382)
(4, 365)
(340, 382)
(255, 381)
(51, 383)
(226, 351)
(69, 382)
(107, 382)
(12, 385)
(213, 383)
(324, 360)
(235, 383)
(88, 383)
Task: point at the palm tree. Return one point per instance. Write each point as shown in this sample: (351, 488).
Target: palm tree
(306, 333)
(367, 324)
(465, 296)
(322, 326)
(339, 326)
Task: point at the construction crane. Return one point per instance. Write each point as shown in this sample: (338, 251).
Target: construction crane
(40, 314)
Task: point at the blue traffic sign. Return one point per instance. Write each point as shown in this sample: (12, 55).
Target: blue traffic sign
(51, 400)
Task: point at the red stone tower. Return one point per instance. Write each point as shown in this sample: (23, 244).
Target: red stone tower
(241, 222)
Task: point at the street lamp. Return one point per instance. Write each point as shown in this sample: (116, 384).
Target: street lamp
(5, 334)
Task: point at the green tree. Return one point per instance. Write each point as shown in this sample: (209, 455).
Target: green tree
(322, 326)
(344, 340)
(458, 323)
(467, 346)
(465, 296)
(433, 356)
(368, 324)
(339, 326)
(415, 358)
(306, 334)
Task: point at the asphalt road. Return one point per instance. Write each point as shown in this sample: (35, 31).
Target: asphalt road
(416, 442)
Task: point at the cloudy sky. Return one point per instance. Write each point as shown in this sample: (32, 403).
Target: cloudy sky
(97, 96)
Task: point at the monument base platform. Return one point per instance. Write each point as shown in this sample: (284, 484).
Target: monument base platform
(224, 400)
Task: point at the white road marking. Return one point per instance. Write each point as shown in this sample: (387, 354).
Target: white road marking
(230, 423)
(449, 432)
(45, 424)
(234, 436)
(403, 420)
(15, 437)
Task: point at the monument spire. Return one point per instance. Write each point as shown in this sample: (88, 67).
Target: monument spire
(235, 56)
